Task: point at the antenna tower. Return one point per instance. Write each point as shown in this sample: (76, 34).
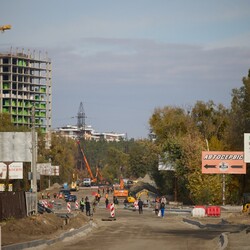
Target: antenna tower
(81, 120)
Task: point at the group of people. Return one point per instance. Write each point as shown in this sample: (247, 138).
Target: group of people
(85, 203)
(160, 205)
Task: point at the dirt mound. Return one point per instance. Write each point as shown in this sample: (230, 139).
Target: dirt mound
(41, 226)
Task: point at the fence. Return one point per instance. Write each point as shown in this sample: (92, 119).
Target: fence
(12, 204)
(17, 204)
(31, 202)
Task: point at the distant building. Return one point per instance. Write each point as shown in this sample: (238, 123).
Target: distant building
(88, 133)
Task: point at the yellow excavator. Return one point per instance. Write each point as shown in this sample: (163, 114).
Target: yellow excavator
(246, 203)
(145, 192)
(74, 186)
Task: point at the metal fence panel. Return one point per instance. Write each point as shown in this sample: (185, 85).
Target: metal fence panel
(30, 203)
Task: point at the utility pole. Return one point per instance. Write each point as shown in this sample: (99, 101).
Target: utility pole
(33, 163)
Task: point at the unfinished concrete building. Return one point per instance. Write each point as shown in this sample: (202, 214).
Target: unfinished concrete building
(25, 81)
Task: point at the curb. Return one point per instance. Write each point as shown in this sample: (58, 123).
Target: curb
(193, 222)
(45, 243)
(223, 239)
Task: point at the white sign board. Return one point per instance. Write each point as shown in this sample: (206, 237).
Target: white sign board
(44, 168)
(247, 147)
(55, 170)
(16, 146)
(16, 171)
(165, 165)
(3, 170)
(47, 169)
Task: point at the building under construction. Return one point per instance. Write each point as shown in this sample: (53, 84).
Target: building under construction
(25, 81)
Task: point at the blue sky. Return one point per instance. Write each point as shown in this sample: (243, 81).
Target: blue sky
(123, 59)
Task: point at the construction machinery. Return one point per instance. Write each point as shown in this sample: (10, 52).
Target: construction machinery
(246, 203)
(119, 190)
(144, 193)
(5, 27)
(99, 175)
(74, 186)
(92, 177)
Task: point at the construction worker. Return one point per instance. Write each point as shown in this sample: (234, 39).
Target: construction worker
(82, 204)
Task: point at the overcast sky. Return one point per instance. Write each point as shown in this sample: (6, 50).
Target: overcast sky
(123, 59)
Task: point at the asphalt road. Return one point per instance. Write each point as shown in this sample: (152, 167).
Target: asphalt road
(133, 231)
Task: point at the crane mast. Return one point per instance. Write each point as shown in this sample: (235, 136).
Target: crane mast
(93, 179)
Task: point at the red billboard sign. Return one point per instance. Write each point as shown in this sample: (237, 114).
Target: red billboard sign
(223, 162)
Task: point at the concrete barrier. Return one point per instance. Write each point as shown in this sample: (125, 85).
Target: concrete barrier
(198, 212)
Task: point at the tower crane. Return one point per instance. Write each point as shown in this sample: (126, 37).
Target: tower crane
(5, 27)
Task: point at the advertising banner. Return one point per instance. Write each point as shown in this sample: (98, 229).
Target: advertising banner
(16, 171)
(223, 162)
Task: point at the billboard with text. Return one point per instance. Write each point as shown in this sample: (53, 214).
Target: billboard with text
(223, 162)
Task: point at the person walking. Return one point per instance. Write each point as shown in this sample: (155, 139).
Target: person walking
(140, 205)
(157, 207)
(94, 206)
(107, 202)
(82, 204)
(87, 204)
(162, 208)
(164, 200)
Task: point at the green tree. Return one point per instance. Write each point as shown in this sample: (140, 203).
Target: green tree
(116, 164)
(63, 154)
(239, 115)
(211, 120)
(240, 124)
(143, 157)
(181, 141)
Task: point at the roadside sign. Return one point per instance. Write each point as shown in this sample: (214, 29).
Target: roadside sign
(16, 171)
(15, 146)
(165, 165)
(247, 147)
(44, 168)
(223, 162)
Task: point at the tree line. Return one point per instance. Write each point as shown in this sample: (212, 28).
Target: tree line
(177, 135)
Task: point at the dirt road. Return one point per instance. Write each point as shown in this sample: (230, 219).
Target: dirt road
(130, 230)
(147, 231)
